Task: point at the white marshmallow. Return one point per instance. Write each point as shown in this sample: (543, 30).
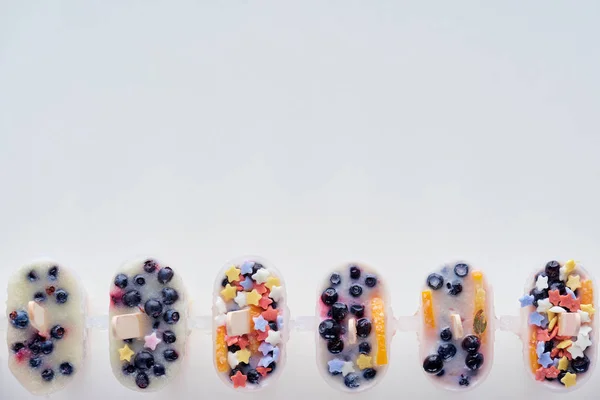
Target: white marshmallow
(456, 326)
(568, 324)
(127, 326)
(238, 322)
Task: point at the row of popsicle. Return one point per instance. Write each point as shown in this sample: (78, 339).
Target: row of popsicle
(149, 310)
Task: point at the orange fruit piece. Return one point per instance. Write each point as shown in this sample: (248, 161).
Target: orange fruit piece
(587, 292)
(378, 318)
(427, 304)
(533, 358)
(253, 343)
(221, 350)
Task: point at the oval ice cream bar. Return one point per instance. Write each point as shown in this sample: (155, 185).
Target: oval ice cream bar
(456, 331)
(354, 330)
(250, 324)
(559, 328)
(147, 324)
(46, 329)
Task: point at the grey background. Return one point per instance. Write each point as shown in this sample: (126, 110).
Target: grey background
(399, 134)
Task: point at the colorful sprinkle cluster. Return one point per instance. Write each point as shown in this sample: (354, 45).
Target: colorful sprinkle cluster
(458, 328)
(561, 309)
(249, 318)
(37, 351)
(353, 326)
(146, 356)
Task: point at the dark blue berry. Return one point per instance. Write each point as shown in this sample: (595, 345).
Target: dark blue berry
(441, 373)
(132, 298)
(169, 295)
(354, 272)
(224, 282)
(156, 325)
(53, 273)
(256, 267)
(272, 366)
(142, 381)
(128, 341)
(61, 296)
(159, 370)
(32, 276)
(363, 327)
(461, 270)
(19, 319)
(57, 332)
(274, 305)
(47, 347)
(253, 376)
(165, 275)
(335, 346)
(329, 296)
(471, 343)
(355, 290)
(273, 326)
(66, 368)
(47, 375)
(369, 373)
(171, 317)
(339, 311)
(153, 308)
(170, 355)
(150, 266)
(139, 280)
(447, 351)
(474, 361)
(455, 288)
(35, 362)
(128, 369)
(35, 345)
(233, 348)
(446, 335)
(335, 279)
(39, 297)
(464, 380)
(538, 295)
(433, 364)
(352, 381)
(435, 281)
(329, 329)
(364, 347)
(370, 281)
(560, 286)
(121, 281)
(552, 271)
(169, 337)
(17, 346)
(580, 364)
(143, 360)
(357, 310)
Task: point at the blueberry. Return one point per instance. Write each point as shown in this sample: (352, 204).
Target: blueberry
(464, 380)
(128, 341)
(329, 296)
(47, 347)
(580, 364)
(433, 364)
(273, 326)
(39, 297)
(224, 282)
(370, 281)
(553, 271)
(256, 267)
(471, 344)
(441, 373)
(32, 276)
(170, 355)
(352, 381)
(169, 337)
(364, 348)
(339, 311)
(35, 345)
(358, 310)
(150, 266)
(273, 365)
(233, 348)
(156, 325)
(363, 327)
(435, 281)
(47, 375)
(35, 362)
(447, 351)
(369, 373)
(538, 295)
(335, 279)
(461, 270)
(455, 288)
(355, 290)
(132, 298)
(128, 369)
(121, 281)
(169, 295)
(159, 370)
(165, 275)
(139, 280)
(65, 368)
(17, 346)
(142, 380)
(53, 273)
(253, 376)
(153, 308)
(446, 335)
(274, 305)
(548, 346)
(560, 376)
(329, 329)
(474, 361)
(354, 272)
(19, 319)
(61, 296)
(560, 286)
(171, 317)
(143, 360)
(335, 345)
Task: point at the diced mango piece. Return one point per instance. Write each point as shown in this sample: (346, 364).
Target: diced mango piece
(221, 350)
(477, 279)
(378, 317)
(427, 307)
(533, 357)
(479, 300)
(587, 292)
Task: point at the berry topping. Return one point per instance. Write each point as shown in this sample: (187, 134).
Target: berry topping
(329, 329)
(447, 351)
(335, 345)
(132, 298)
(355, 290)
(433, 364)
(352, 381)
(47, 347)
(17, 346)
(128, 369)
(580, 364)
(169, 295)
(169, 337)
(363, 327)
(39, 297)
(47, 375)
(463, 381)
(144, 360)
(171, 317)
(165, 275)
(19, 319)
(552, 271)
(53, 273)
(435, 281)
(65, 368)
(159, 370)
(369, 373)
(454, 288)
(339, 311)
(170, 355)
(142, 380)
(150, 266)
(32, 276)
(139, 280)
(61, 296)
(153, 308)
(253, 376)
(57, 332)
(461, 270)
(370, 281)
(121, 281)
(474, 361)
(471, 343)
(35, 362)
(329, 296)
(335, 279)
(446, 334)
(357, 310)
(364, 348)
(354, 272)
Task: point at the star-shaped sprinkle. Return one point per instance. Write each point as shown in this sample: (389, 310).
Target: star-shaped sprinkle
(263, 371)
(151, 341)
(280, 322)
(569, 302)
(260, 323)
(276, 353)
(588, 309)
(232, 360)
(274, 337)
(240, 299)
(542, 336)
(572, 293)
(363, 361)
(536, 318)
(125, 353)
(239, 380)
(540, 374)
(570, 266)
(247, 284)
(220, 306)
(541, 283)
(243, 356)
(261, 336)
(270, 314)
(272, 281)
(335, 366)
(252, 298)
(574, 282)
(276, 293)
(545, 360)
(554, 296)
(526, 300)
(221, 319)
(552, 372)
(233, 273)
(539, 349)
(563, 364)
(544, 305)
(261, 275)
(243, 342)
(246, 267)
(583, 342)
(585, 317)
(265, 348)
(231, 340)
(260, 288)
(229, 292)
(584, 330)
(569, 379)
(564, 344)
(348, 368)
(575, 351)
(264, 302)
(265, 361)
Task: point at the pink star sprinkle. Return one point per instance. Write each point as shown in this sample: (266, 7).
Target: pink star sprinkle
(151, 341)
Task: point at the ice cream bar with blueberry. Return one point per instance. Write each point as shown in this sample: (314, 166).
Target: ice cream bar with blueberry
(354, 328)
(46, 330)
(147, 324)
(558, 325)
(250, 327)
(456, 327)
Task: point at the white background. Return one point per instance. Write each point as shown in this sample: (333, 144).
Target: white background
(399, 134)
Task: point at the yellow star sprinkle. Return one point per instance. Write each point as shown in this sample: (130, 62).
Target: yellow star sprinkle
(364, 361)
(564, 344)
(243, 356)
(233, 273)
(573, 282)
(569, 379)
(125, 353)
(253, 298)
(563, 364)
(569, 266)
(588, 309)
(229, 292)
(272, 281)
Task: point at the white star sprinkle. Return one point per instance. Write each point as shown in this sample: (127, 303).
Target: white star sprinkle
(240, 299)
(276, 293)
(261, 275)
(348, 368)
(583, 342)
(584, 330)
(273, 337)
(575, 351)
(585, 317)
(544, 305)
(232, 360)
(541, 283)
(220, 306)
